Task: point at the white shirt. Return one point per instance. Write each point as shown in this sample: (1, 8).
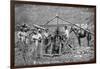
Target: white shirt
(67, 33)
(45, 34)
(37, 36)
(22, 35)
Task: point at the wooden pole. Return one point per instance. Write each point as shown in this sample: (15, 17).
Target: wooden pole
(51, 49)
(41, 49)
(60, 49)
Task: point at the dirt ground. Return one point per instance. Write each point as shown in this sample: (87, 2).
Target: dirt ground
(24, 54)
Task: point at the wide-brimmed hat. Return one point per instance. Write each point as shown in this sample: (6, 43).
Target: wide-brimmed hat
(24, 28)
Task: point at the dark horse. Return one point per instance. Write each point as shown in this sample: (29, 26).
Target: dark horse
(81, 33)
(55, 39)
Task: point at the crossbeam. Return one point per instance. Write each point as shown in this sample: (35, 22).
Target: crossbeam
(54, 25)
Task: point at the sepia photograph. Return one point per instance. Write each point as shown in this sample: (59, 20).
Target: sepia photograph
(52, 34)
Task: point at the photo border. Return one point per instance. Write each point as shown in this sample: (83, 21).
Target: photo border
(12, 33)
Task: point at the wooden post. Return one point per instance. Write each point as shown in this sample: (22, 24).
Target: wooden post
(41, 49)
(60, 49)
(51, 49)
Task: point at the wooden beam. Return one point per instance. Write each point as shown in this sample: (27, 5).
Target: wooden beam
(55, 25)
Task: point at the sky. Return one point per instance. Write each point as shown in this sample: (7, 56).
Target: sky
(41, 14)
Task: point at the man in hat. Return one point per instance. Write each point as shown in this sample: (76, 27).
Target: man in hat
(22, 34)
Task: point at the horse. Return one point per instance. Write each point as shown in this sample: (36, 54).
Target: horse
(81, 33)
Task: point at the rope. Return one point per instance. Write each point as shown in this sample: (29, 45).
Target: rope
(67, 22)
(49, 21)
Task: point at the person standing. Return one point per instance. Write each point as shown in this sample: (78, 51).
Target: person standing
(46, 33)
(66, 31)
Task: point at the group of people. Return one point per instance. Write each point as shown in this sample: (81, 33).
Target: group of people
(40, 35)
(37, 35)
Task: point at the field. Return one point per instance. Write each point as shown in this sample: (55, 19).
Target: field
(25, 54)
